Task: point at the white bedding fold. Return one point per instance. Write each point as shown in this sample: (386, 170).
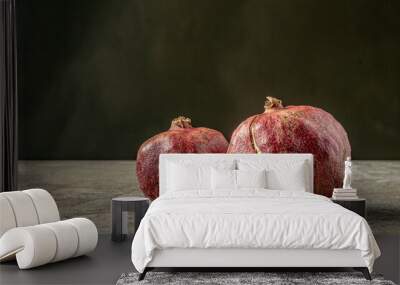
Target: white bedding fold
(250, 219)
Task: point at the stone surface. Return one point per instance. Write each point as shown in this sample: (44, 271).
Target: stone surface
(379, 183)
(85, 188)
(82, 188)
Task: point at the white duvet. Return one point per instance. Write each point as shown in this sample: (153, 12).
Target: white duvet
(250, 219)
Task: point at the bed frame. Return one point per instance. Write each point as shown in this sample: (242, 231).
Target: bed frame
(245, 258)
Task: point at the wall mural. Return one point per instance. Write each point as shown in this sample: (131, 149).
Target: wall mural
(105, 76)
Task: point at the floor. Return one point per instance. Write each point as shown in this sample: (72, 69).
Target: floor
(111, 259)
(104, 266)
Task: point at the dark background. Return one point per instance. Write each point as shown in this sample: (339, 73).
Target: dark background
(97, 78)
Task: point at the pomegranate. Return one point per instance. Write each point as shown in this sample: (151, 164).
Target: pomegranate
(180, 138)
(297, 129)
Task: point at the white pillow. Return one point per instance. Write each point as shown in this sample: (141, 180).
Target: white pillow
(251, 178)
(193, 175)
(282, 174)
(236, 179)
(181, 177)
(223, 179)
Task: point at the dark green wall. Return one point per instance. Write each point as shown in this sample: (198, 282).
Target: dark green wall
(97, 78)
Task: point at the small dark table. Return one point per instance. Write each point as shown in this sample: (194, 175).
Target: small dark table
(120, 207)
(356, 205)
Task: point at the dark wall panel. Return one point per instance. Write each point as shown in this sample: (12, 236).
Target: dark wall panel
(97, 78)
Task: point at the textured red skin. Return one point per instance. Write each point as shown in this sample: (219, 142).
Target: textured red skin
(298, 129)
(176, 140)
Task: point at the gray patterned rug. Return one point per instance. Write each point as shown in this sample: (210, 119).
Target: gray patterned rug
(269, 278)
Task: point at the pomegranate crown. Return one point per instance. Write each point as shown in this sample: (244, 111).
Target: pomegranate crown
(272, 102)
(181, 122)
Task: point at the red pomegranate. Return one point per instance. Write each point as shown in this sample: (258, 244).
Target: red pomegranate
(297, 129)
(180, 138)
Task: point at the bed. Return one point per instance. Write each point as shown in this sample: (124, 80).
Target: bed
(247, 210)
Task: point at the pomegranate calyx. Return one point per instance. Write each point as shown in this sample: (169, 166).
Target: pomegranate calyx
(181, 122)
(272, 103)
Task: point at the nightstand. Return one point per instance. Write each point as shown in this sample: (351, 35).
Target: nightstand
(356, 205)
(120, 207)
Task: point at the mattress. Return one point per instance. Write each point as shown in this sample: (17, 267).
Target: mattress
(250, 219)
